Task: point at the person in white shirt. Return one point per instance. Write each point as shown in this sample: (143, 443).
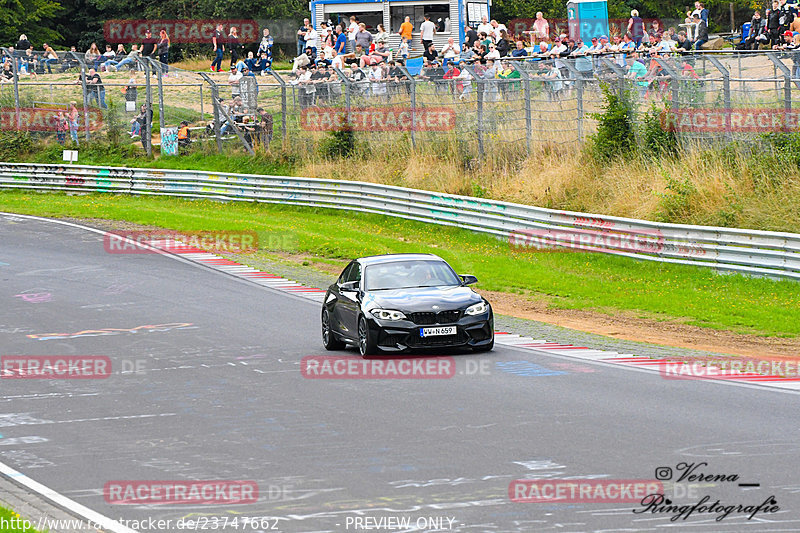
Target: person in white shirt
(352, 29)
(484, 26)
(376, 77)
(312, 39)
(427, 30)
(449, 51)
(336, 61)
(494, 53)
(497, 28)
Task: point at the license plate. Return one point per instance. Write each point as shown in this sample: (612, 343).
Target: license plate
(435, 332)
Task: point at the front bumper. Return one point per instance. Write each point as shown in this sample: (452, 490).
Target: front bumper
(404, 335)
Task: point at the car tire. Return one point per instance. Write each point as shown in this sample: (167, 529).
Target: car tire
(484, 348)
(329, 339)
(366, 343)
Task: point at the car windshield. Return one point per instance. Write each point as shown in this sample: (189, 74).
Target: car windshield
(409, 274)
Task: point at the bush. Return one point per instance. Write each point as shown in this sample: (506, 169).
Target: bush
(339, 143)
(14, 144)
(655, 139)
(615, 134)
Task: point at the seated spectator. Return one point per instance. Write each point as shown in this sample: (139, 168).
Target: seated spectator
(683, 44)
(23, 43)
(184, 135)
(138, 122)
(69, 60)
(92, 57)
(377, 78)
(49, 57)
(303, 60)
(378, 56)
(519, 50)
(353, 58)
(493, 52)
(108, 54)
(430, 54)
(638, 72)
(8, 71)
(449, 51)
(702, 31)
(453, 73)
(130, 59)
(553, 84)
(758, 33)
(507, 72)
(467, 54)
(264, 126)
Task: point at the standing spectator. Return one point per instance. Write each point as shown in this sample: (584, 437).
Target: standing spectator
(381, 34)
(23, 44)
(62, 126)
(352, 30)
(363, 37)
(50, 57)
(541, 28)
(636, 28)
(774, 24)
(219, 48)
(148, 45)
(497, 29)
(94, 88)
(427, 30)
(484, 26)
(163, 50)
(403, 51)
(406, 29)
(234, 45)
(312, 40)
(301, 36)
(265, 47)
(73, 121)
(233, 81)
(340, 45)
(703, 12)
(702, 32)
(470, 36)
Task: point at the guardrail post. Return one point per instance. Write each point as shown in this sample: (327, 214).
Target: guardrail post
(148, 102)
(726, 93)
(215, 105)
(283, 103)
(412, 83)
(159, 73)
(787, 79)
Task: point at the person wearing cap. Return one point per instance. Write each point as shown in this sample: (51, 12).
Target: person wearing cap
(702, 31)
(787, 40)
(149, 43)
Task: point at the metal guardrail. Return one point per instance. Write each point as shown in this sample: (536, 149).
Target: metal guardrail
(761, 253)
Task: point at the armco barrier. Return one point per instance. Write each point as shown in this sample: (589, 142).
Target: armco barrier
(744, 251)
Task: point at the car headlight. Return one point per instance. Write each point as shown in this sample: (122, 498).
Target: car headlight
(387, 314)
(476, 309)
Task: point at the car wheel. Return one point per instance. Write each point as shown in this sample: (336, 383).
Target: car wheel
(329, 339)
(484, 348)
(366, 344)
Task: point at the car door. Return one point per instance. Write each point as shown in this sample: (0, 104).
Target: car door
(347, 306)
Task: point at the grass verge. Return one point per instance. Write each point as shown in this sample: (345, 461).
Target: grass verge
(568, 280)
(12, 522)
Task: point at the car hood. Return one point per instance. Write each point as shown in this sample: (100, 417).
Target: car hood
(422, 299)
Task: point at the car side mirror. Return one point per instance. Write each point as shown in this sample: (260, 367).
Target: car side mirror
(349, 286)
(468, 279)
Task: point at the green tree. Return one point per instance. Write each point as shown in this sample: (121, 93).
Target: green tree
(34, 18)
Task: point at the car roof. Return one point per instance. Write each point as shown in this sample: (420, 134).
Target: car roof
(389, 258)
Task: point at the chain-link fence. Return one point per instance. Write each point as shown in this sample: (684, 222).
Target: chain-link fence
(511, 104)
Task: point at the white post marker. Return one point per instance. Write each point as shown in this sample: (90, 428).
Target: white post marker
(70, 155)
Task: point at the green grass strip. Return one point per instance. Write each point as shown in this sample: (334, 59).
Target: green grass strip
(566, 280)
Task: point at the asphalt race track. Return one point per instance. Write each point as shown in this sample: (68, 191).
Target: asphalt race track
(206, 385)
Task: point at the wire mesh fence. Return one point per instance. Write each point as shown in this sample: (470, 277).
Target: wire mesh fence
(511, 104)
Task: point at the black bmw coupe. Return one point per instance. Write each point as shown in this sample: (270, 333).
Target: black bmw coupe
(400, 302)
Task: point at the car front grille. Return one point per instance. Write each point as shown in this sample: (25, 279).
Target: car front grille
(428, 318)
